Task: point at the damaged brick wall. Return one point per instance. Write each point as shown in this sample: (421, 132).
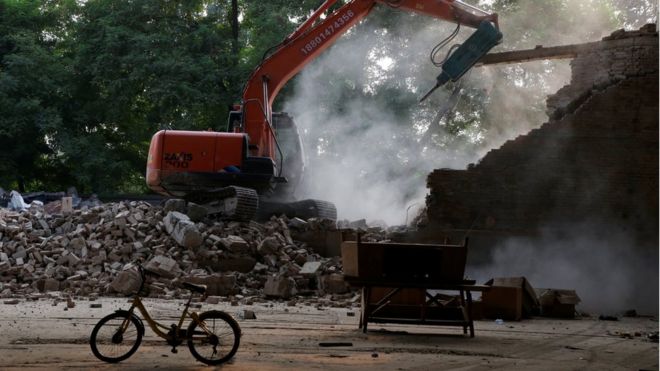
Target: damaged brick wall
(597, 157)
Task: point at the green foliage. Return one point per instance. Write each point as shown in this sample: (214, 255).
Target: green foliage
(141, 66)
(152, 65)
(33, 87)
(84, 84)
(264, 27)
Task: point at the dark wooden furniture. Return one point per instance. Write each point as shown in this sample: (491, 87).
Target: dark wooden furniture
(429, 312)
(399, 283)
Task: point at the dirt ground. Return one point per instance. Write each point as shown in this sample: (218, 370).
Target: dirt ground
(40, 335)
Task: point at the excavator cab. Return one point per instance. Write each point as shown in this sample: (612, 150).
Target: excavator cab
(235, 122)
(292, 164)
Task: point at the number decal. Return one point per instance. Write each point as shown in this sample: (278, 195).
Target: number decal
(179, 160)
(323, 35)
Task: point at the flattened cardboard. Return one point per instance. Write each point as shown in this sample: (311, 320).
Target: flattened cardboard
(558, 303)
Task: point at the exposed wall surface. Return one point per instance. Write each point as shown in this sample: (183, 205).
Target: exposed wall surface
(595, 163)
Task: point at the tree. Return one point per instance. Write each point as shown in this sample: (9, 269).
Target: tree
(33, 87)
(142, 66)
(84, 84)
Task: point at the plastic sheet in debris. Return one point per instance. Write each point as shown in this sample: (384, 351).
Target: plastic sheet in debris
(17, 203)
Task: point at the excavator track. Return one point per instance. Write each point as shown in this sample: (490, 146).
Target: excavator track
(304, 209)
(229, 203)
(315, 209)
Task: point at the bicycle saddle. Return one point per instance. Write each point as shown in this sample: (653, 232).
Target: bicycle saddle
(196, 288)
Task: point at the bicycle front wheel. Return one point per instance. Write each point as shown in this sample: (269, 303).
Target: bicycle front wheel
(116, 337)
(215, 338)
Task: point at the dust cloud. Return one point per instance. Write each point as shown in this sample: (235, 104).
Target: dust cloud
(363, 154)
(366, 153)
(606, 267)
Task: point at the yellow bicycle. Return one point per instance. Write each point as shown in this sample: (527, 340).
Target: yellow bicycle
(213, 336)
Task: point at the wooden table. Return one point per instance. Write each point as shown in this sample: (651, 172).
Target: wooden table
(369, 311)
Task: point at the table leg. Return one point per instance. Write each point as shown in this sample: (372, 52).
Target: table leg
(469, 311)
(366, 294)
(466, 315)
(361, 307)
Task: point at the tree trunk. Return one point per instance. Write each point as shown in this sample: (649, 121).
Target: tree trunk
(234, 28)
(21, 184)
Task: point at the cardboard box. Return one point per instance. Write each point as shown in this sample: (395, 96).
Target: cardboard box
(325, 243)
(530, 302)
(67, 205)
(349, 259)
(558, 303)
(406, 296)
(502, 302)
(408, 303)
(477, 310)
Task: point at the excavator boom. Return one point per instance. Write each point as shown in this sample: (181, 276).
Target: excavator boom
(238, 165)
(310, 40)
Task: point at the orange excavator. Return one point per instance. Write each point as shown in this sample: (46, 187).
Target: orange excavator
(253, 166)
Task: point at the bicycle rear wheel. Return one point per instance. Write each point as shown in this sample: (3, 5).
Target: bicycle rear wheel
(112, 344)
(215, 339)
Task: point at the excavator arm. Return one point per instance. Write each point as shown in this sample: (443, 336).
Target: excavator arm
(311, 39)
(228, 171)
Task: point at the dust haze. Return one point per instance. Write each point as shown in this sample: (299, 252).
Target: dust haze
(366, 154)
(606, 267)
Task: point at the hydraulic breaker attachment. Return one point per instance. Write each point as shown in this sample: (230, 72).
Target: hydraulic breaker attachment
(476, 46)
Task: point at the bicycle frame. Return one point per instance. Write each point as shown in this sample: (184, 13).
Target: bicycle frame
(212, 336)
(157, 326)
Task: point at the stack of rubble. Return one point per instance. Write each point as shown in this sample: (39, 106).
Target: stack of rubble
(92, 251)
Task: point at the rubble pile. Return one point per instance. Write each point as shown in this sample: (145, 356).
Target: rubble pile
(93, 251)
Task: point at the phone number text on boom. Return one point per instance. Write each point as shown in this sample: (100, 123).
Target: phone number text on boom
(329, 31)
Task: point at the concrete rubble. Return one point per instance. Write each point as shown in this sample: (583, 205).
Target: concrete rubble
(92, 251)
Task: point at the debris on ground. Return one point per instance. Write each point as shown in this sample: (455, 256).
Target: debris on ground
(630, 313)
(558, 303)
(91, 250)
(335, 344)
(247, 314)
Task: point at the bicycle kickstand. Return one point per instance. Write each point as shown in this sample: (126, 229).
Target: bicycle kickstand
(175, 335)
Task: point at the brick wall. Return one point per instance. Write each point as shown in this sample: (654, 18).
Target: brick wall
(595, 160)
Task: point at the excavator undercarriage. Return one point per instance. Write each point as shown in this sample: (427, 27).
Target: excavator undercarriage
(256, 190)
(244, 204)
